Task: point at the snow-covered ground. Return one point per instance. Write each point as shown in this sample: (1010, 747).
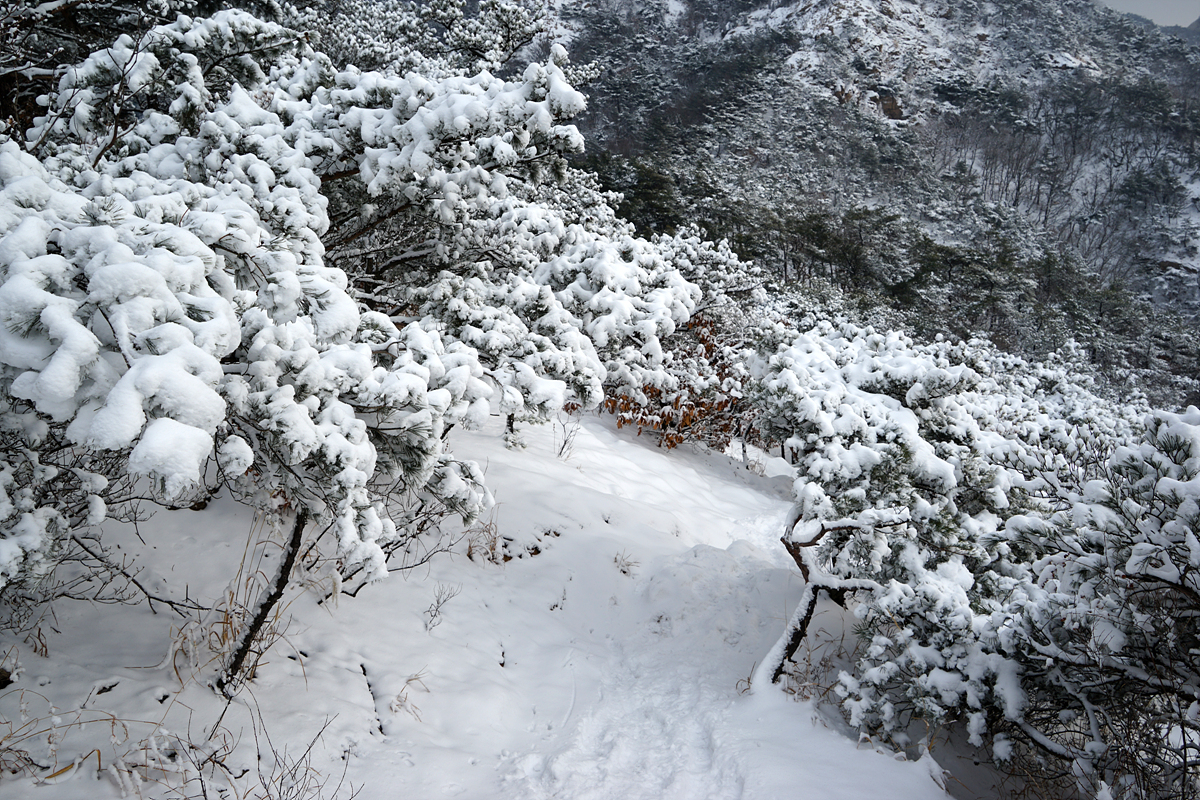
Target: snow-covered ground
(608, 658)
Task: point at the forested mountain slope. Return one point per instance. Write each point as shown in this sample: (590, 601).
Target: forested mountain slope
(1024, 171)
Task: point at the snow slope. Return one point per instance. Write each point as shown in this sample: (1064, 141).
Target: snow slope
(607, 658)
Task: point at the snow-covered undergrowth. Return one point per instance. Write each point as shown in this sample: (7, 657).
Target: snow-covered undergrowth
(607, 659)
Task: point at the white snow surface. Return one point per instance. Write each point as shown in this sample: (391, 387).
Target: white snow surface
(606, 659)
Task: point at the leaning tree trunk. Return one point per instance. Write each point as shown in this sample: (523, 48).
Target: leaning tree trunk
(225, 683)
(815, 583)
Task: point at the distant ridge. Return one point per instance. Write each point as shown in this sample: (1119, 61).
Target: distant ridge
(1189, 34)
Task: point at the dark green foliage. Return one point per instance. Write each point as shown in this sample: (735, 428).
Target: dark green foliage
(650, 197)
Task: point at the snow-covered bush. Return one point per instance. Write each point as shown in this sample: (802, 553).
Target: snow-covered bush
(456, 207)
(909, 463)
(699, 394)
(1004, 572)
(226, 261)
(165, 293)
(1108, 634)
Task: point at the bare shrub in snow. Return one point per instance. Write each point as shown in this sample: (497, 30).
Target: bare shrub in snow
(442, 595)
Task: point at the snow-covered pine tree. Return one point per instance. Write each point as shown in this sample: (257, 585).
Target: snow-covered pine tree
(1020, 556)
(483, 230)
(1107, 633)
(165, 297)
(434, 37)
(173, 231)
(907, 470)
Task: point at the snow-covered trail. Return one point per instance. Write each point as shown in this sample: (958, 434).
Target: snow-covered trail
(612, 665)
(670, 719)
(666, 689)
(606, 660)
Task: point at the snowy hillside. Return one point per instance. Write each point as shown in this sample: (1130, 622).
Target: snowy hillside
(607, 659)
(918, 47)
(1046, 148)
(461, 475)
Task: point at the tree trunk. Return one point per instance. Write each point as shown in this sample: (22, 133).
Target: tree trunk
(274, 595)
